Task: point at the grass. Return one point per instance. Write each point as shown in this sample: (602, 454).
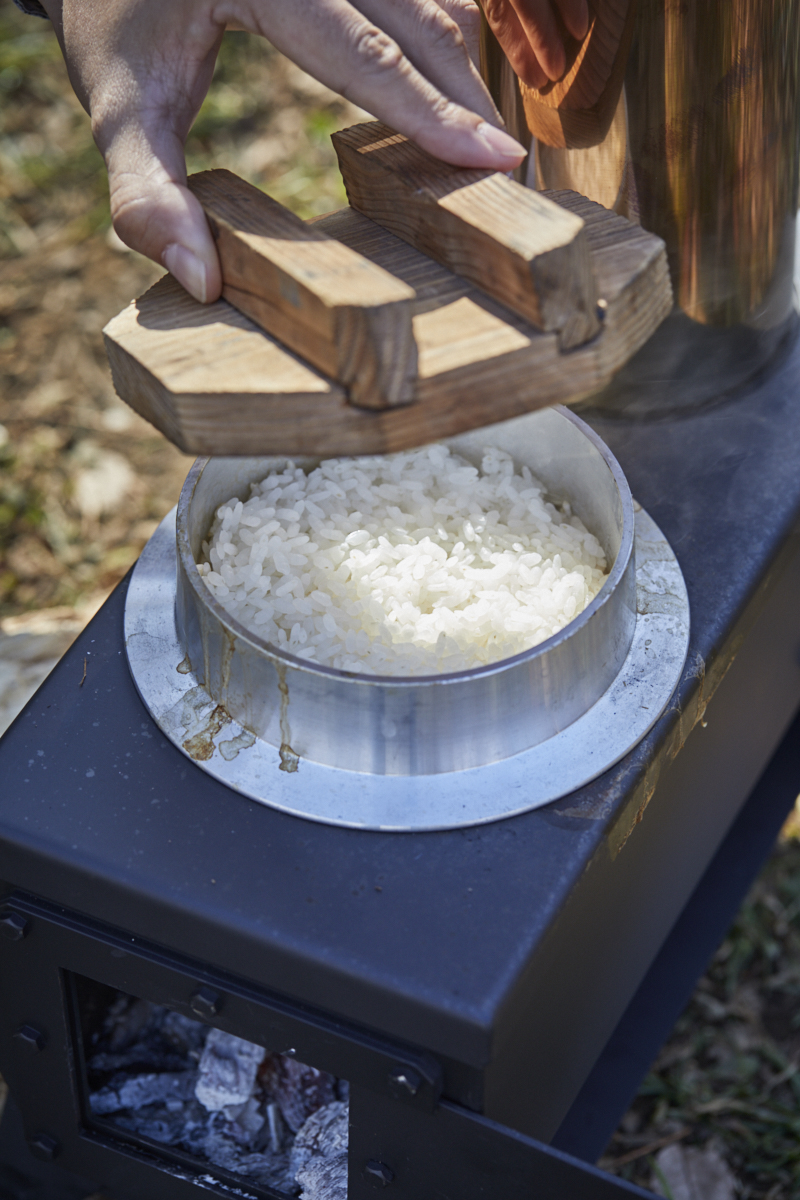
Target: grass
(729, 1075)
(62, 276)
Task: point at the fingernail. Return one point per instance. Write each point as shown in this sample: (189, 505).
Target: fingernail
(558, 63)
(583, 23)
(500, 142)
(188, 269)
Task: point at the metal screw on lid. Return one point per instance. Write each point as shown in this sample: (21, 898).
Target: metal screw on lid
(13, 925)
(31, 1037)
(403, 1082)
(44, 1146)
(205, 1002)
(378, 1173)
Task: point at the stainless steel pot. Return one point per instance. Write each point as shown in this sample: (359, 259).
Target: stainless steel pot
(703, 150)
(420, 726)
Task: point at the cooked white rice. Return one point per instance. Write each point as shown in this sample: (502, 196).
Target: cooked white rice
(406, 564)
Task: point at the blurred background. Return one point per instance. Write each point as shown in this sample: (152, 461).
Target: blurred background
(84, 482)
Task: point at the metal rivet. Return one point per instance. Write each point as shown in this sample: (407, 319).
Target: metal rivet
(31, 1037)
(404, 1082)
(206, 1002)
(44, 1146)
(378, 1173)
(13, 925)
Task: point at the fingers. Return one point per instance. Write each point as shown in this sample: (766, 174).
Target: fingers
(539, 25)
(144, 66)
(467, 17)
(433, 42)
(507, 28)
(155, 213)
(142, 138)
(361, 61)
(575, 15)
(142, 70)
(529, 33)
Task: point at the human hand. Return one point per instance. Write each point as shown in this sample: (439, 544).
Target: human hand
(141, 68)
(529, 32)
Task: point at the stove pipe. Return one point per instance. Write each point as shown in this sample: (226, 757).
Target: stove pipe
(682, 115)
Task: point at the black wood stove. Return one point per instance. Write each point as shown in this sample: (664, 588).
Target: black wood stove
(492, 996)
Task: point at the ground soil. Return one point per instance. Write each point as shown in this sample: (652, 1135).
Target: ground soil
(83, 480)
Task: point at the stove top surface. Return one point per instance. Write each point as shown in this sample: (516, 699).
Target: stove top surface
(440, 938)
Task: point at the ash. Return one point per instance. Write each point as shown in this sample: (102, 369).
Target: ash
(230, 1103)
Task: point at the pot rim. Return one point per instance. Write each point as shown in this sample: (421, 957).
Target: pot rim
(268, 650)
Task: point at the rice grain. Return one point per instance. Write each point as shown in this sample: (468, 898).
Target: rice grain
(408, 564)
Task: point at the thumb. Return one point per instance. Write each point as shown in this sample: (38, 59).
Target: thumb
(153, 210)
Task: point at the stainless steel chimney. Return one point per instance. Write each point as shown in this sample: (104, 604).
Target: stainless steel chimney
(684, 117)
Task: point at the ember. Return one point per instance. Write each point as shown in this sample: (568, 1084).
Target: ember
(165, 1078)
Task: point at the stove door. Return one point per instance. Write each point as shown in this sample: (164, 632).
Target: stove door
(157, 1078)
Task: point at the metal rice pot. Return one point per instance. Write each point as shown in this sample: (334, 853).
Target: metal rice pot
(433, 724)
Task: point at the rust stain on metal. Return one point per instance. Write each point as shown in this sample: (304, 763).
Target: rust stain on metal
(289, 758)
(643, 795)
(228, 650)
(201, 745)
(589, 809)
(204, 620)
(230, 749)
(694, 714)
(185, 667)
